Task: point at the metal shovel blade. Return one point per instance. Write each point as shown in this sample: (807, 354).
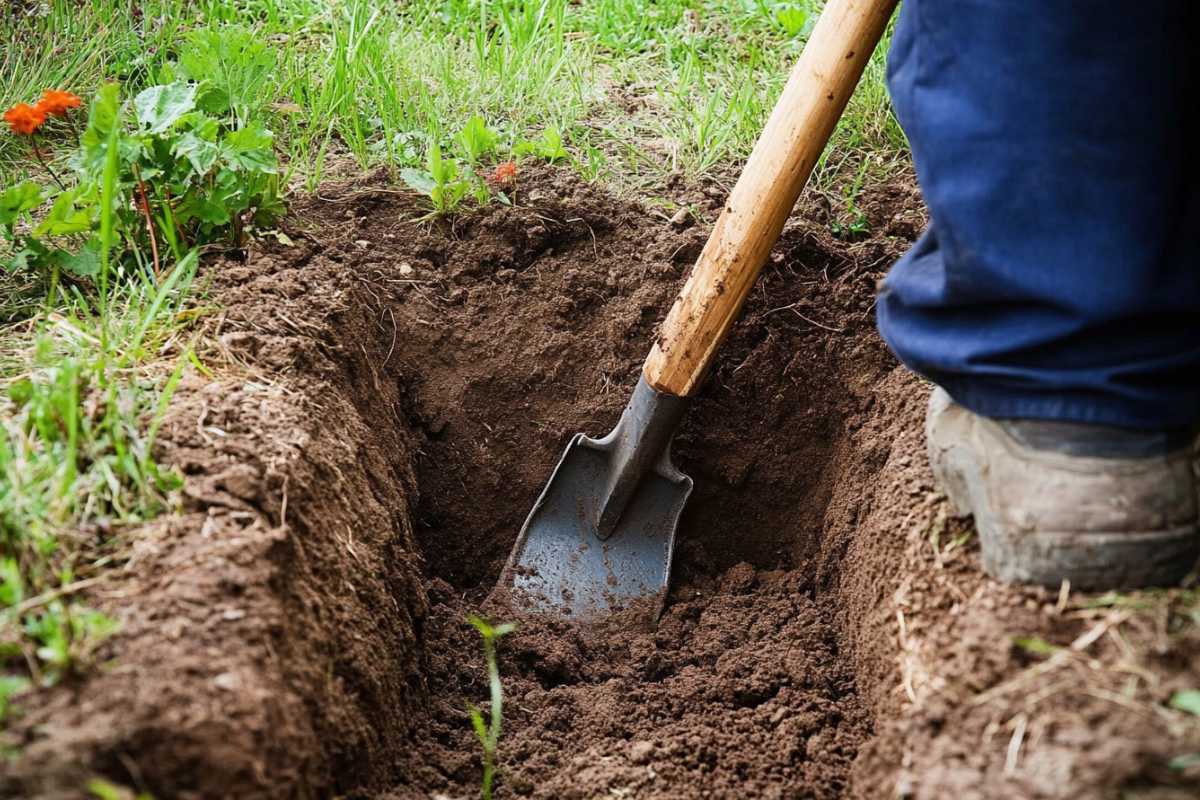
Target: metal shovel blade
(602, 532)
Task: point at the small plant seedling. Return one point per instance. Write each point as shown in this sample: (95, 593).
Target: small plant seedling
(489, 732)
(858, 226)
(477, 140)
(548, 146)
(792, 18)
(441, 181)
(850, 231)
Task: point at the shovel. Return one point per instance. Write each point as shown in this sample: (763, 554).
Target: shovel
(600, 537)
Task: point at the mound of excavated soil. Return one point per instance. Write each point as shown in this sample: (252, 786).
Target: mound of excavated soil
(390, 396)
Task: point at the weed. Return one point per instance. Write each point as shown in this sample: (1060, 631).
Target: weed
(441, 181)
(181, 176)
(548, 146)
(83, 401)
(489, 732)
(446, 181)
(793, 18)
(477, 139)
(858, 226)
(234, 65)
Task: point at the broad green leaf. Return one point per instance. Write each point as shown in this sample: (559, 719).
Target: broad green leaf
(17, 200)
(103, 121)
(792, 19)
(230, 191)
(477, 139)
(551, 145)
(213, 100)
(434, 162)
(1187, 700)
(250, 148)
(200, 153)
(65, 217)
(250, 137)
(85, 263)
(418, 180)
(29, 256)
(160, 107)
(103, 114)
(235, 62)
(205, 209)
(202, 125)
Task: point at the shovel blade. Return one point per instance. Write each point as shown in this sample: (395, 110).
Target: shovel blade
(560, 565)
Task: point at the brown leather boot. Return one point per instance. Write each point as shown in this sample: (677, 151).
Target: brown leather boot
(1103, 507)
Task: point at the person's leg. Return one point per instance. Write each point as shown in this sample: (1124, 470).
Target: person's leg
(1059, 280)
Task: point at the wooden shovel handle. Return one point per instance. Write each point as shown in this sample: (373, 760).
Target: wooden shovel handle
(754, 215)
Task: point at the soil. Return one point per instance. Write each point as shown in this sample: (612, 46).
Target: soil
(390, 395)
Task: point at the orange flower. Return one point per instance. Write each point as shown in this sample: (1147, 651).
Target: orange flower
(57, 102)
(24, 118)
(505, 173)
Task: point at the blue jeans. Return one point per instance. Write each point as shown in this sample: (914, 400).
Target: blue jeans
(1058, 150)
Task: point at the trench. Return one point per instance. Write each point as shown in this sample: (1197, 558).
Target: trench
(401, 390)
(532, 330)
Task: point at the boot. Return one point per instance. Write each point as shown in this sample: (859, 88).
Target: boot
(1106, 508)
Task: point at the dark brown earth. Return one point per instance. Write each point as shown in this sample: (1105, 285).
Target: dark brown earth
(390, 395)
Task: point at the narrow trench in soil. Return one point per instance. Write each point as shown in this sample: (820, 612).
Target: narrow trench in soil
(747, 684)
(743, 683)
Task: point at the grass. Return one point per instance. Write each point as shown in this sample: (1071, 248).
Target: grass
(626, 92)
(638, 89)
(84, 393)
